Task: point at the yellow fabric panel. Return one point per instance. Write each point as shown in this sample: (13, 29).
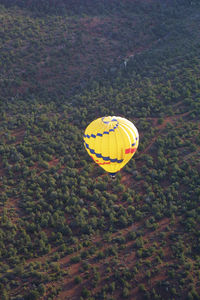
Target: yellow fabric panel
(111, 142)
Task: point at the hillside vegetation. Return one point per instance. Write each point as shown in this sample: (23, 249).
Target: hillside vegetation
(67, 230)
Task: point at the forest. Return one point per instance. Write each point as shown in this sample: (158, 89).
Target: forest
(67, 230)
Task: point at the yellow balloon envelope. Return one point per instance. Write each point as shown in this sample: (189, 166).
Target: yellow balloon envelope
(111, 142)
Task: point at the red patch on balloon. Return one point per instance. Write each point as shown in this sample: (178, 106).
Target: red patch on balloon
(130, 150)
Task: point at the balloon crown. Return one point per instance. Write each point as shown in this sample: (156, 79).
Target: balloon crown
(109, 119)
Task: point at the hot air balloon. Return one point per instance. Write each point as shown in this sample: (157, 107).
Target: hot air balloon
(111, 142)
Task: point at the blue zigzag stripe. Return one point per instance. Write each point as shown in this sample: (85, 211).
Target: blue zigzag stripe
(106, 158)
(134, 143)
(100, 134)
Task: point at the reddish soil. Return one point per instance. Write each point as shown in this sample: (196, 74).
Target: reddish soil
(13, 209)
(53, 162)
(127, 257)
